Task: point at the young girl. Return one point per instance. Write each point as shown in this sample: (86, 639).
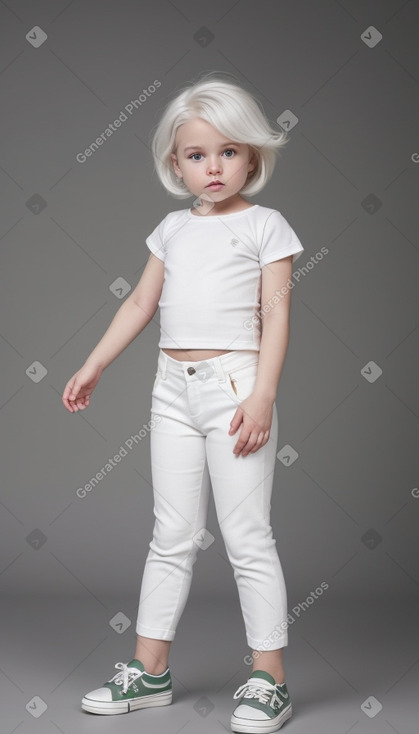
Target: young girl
(220, 273)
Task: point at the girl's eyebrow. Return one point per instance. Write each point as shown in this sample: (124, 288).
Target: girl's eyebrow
(194, 147)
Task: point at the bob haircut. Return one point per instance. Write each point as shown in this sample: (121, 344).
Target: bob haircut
(234, 112)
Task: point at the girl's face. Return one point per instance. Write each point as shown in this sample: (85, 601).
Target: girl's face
(203, 155)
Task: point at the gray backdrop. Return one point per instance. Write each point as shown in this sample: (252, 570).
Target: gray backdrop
(343, 78)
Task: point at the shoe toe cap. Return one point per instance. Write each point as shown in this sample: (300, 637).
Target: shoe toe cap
(100, 694)
(243, 711)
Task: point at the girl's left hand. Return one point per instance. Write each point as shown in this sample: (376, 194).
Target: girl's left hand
(255, 414)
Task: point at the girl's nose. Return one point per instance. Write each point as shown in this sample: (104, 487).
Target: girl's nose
(214, 166)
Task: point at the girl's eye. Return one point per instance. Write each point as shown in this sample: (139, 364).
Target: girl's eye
(230, 150)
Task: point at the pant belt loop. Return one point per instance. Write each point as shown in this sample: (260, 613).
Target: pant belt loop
(164, 364)
(219, 370)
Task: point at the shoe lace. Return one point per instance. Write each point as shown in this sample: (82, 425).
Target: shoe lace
(264, 692)
(125, 676)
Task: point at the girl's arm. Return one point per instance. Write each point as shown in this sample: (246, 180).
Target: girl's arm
(132, 317)
(275, 327)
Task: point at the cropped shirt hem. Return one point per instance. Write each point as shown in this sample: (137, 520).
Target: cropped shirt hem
(190, 344)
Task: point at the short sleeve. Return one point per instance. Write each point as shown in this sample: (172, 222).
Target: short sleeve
(156, 242)
(278, 240)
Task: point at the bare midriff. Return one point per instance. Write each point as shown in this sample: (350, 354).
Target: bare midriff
(194, 355)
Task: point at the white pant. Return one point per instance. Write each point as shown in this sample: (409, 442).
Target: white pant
(191, 449)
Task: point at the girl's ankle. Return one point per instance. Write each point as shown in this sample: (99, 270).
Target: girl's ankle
(153, 670)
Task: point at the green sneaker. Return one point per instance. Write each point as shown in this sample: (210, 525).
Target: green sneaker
(264, 705)
(129, 689)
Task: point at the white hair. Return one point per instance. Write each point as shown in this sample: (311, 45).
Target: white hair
(234, 112)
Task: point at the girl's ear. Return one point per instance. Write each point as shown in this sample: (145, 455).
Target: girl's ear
(175, 165)
(253, 162)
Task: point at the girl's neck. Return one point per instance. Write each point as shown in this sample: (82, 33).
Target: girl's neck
(218, 209)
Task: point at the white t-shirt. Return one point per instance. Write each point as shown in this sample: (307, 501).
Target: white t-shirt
(212, 275)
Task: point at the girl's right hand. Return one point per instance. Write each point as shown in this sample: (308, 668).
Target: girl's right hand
(79, 388)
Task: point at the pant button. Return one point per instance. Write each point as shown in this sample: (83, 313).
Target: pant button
(191, 370)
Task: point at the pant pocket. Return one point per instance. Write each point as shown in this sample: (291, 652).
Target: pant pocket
(241, 381)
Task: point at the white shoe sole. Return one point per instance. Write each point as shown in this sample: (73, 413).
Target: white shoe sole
(253, 726)
(124, 707)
